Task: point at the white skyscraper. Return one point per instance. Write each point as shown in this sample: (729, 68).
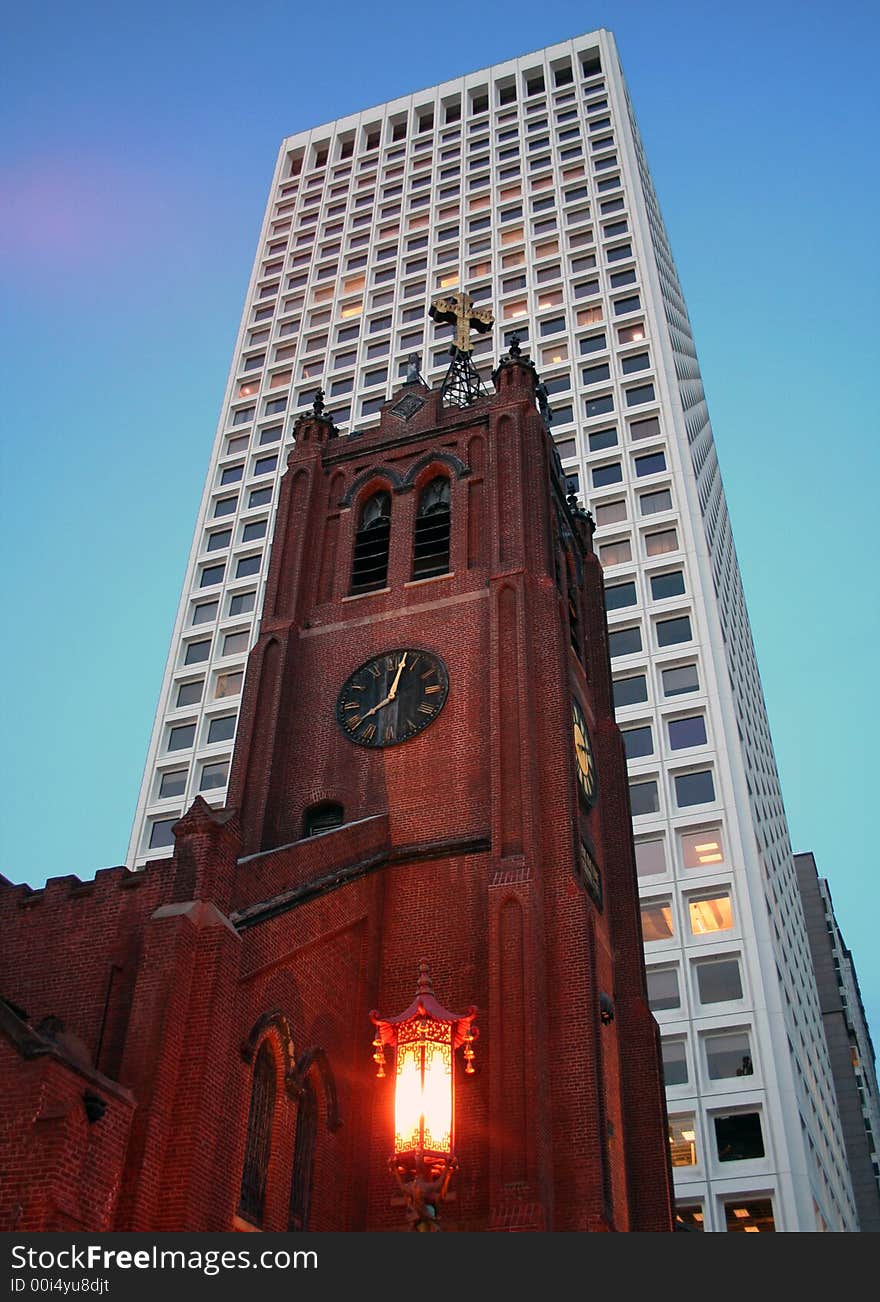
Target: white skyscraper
(527, 184)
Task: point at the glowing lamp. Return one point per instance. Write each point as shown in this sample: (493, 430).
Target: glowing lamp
(425, 1038)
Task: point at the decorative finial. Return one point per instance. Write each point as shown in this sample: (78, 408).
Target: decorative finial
(304, 429)
(379, 1056)
(425, 987)
(579, 511)
(543, 396)
(469, 1054)
(514, 349)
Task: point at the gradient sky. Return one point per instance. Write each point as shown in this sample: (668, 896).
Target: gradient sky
(138, 147)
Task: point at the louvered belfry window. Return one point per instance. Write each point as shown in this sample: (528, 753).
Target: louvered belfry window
(259, 1138)
(431, 550)
(322, 818)
(369, 569)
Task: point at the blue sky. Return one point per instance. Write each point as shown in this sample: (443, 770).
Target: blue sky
(138, 148)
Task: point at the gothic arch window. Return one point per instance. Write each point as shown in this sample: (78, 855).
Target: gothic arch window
(322, 817)
(303, 1158)
(369, 569)
(258, 1145)
(431, 545)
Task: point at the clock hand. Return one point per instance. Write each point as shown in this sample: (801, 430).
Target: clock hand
(374, 708)
(391, 695)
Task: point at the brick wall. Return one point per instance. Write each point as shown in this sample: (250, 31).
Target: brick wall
(461, 846)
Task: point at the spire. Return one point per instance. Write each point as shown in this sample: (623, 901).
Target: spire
(516, 371)
(316, 424)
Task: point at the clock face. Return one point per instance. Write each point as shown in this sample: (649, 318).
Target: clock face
(585, 765)
(392, 697)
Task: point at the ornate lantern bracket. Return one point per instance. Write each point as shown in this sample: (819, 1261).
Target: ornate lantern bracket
(425, 1037)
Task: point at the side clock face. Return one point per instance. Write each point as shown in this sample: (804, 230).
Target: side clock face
(392, 697)
(585, 765)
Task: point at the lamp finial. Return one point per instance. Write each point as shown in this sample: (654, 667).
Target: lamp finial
(425, 986)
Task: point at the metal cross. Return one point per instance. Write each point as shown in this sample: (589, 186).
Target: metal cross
(459, 310)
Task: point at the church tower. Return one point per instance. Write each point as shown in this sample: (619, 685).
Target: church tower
(428, 786)
(427, 767)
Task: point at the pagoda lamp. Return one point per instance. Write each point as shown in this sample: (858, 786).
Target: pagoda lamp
(425, 1038)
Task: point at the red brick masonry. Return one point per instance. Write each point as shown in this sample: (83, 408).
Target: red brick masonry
(137, 1002)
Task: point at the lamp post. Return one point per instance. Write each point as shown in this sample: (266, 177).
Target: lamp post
(425, 1038)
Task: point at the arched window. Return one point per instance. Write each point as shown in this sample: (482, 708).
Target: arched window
(303, 1158)
(320, 818)
(431, 550)
(369, 569)
(259, 1137)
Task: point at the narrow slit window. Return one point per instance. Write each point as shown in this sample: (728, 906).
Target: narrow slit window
(259, 1138)
(574, 626)
(303, 1159)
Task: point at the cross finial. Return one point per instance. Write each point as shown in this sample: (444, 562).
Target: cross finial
(458, 309)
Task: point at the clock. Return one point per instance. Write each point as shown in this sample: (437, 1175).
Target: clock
(585, 765)
(392, 697)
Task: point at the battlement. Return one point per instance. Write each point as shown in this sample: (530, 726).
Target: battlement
(71, 887)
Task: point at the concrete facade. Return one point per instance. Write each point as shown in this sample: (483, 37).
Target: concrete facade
(849, 1040)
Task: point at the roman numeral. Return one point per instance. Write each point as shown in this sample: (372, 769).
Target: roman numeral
(352, 705)
(426, 708)
(389, 732)
(353, 723)
(428, 672)
(369, 732)
(375, 671)
(438, 687)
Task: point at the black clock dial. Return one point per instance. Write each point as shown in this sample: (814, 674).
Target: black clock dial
(392, 697)
(585, 765)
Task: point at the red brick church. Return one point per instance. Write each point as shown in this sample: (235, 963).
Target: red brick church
(428, 811)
